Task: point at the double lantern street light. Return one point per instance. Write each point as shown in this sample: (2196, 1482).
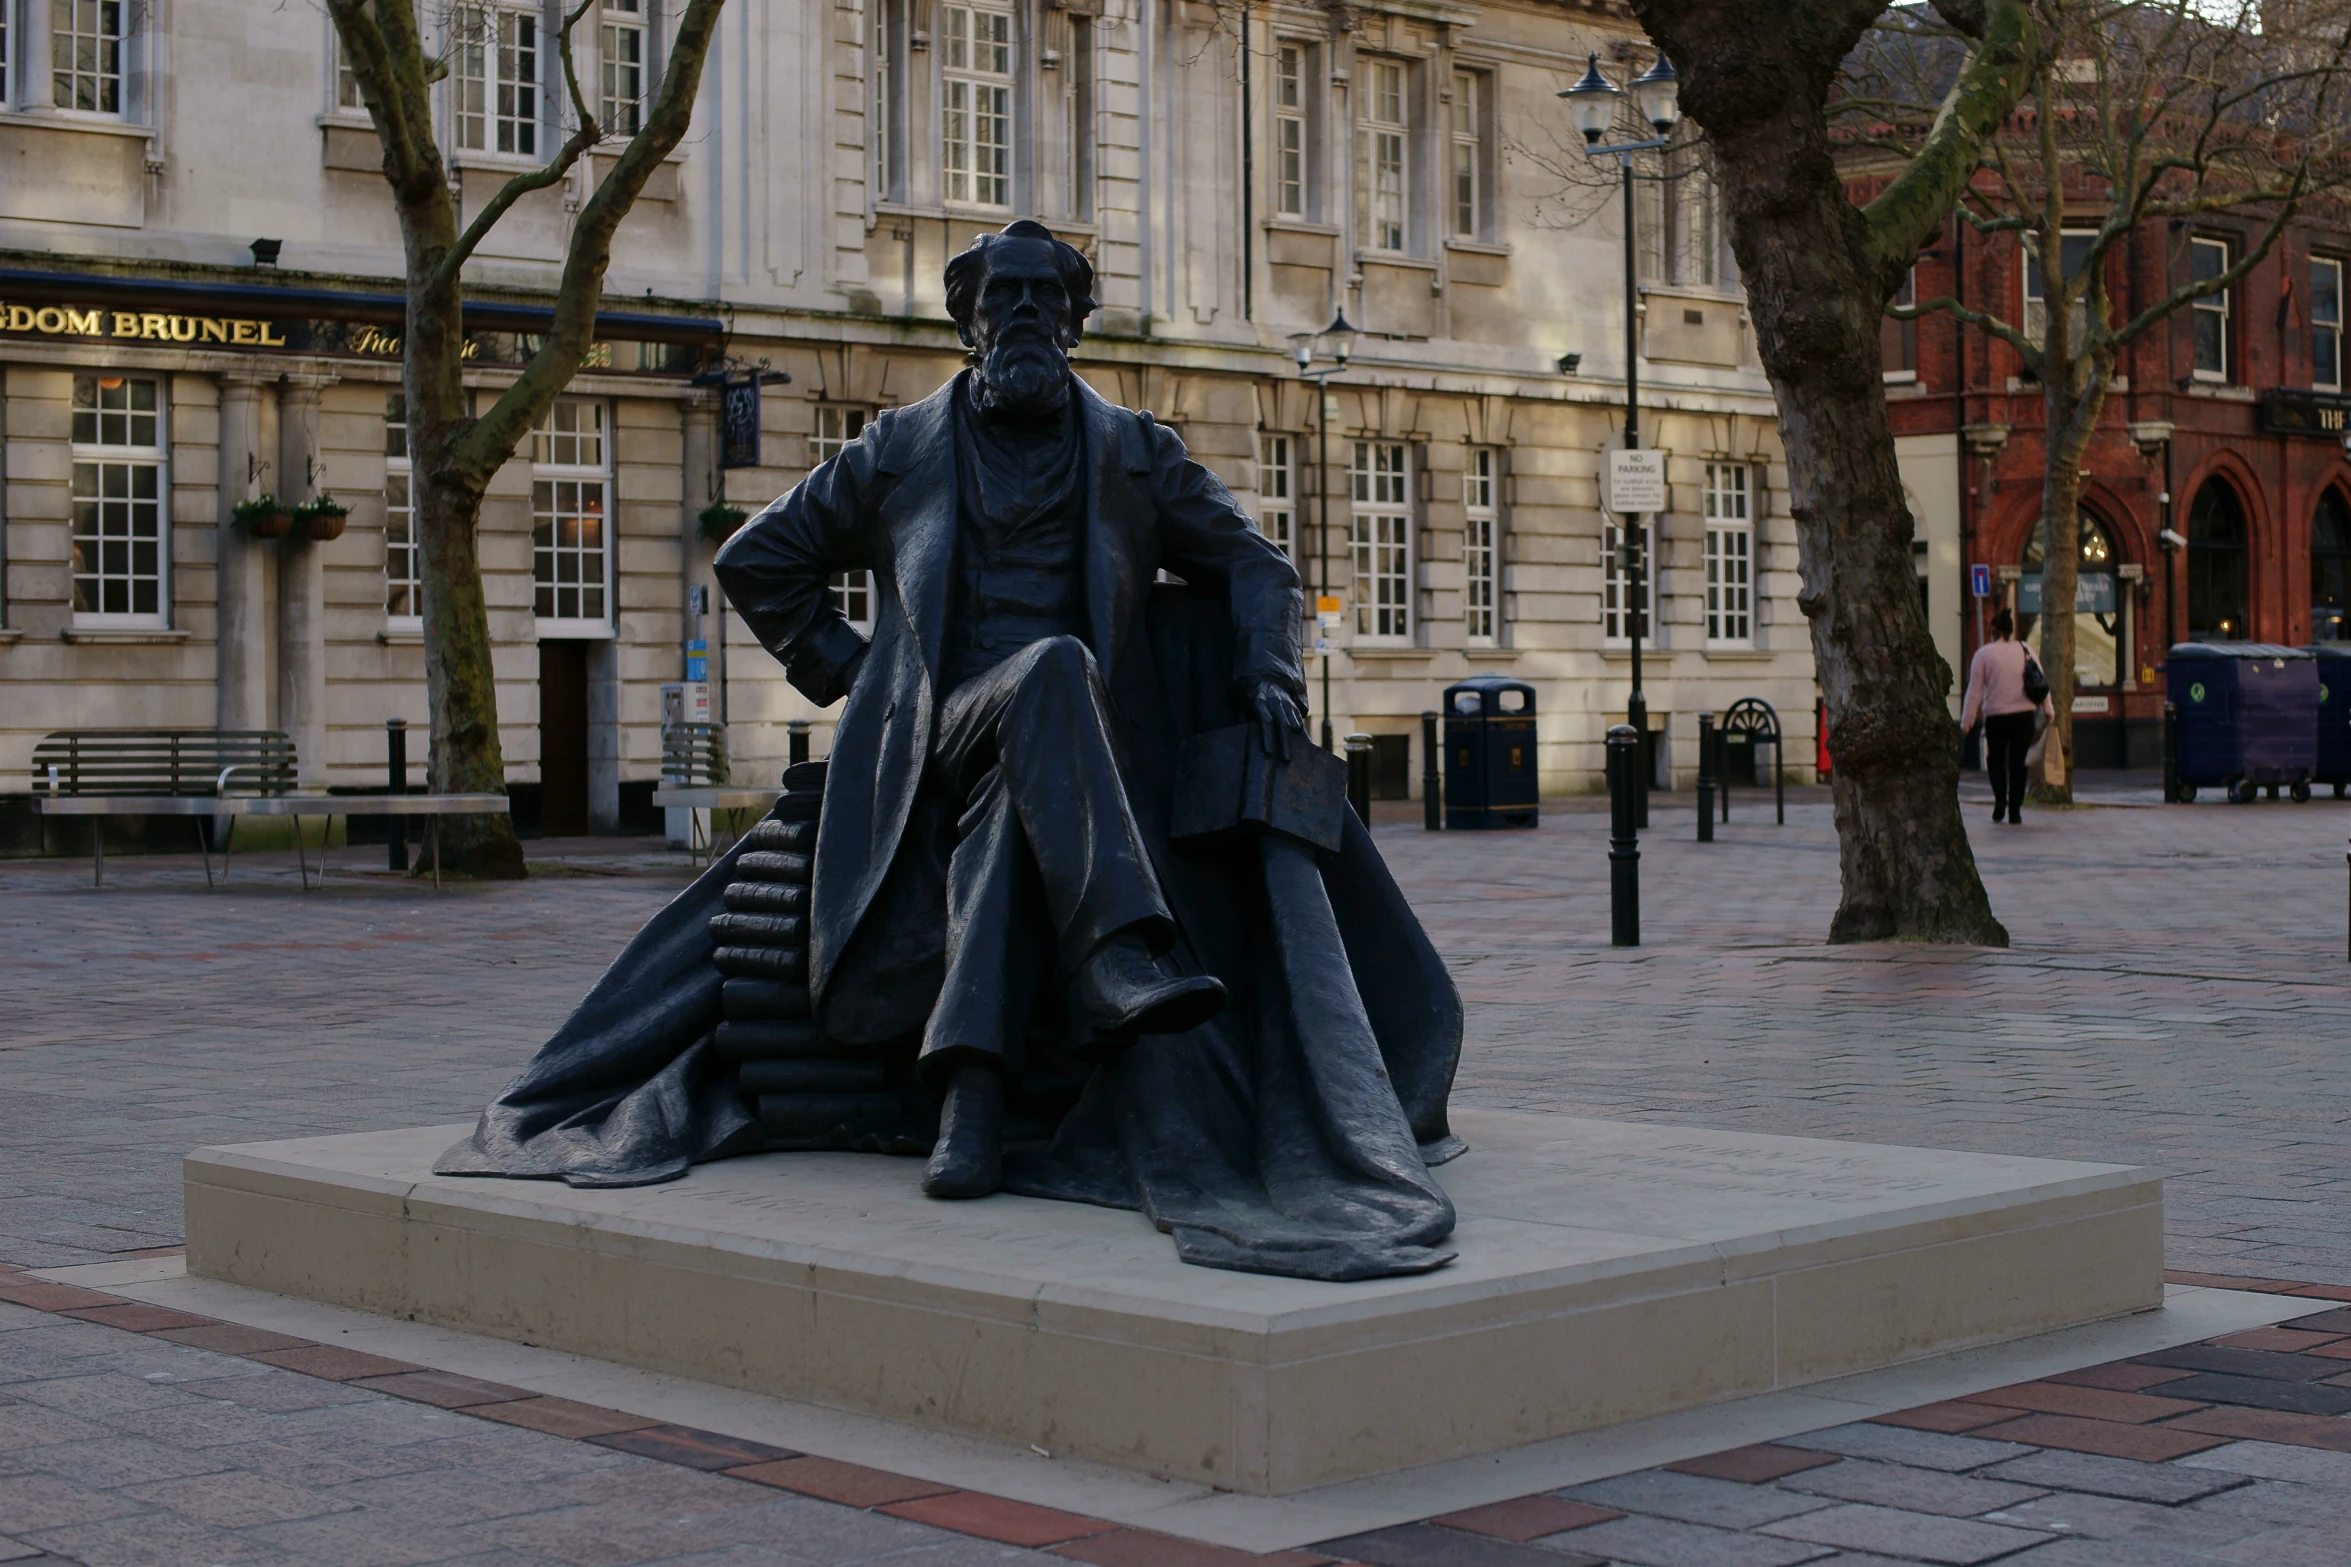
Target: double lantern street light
(1338, 340)
(1595, 101)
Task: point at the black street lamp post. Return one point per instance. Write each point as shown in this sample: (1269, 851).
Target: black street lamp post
(1339, 341)
(1595, 100)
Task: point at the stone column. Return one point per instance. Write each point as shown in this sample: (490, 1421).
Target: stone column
(241, 652)
(302, 626)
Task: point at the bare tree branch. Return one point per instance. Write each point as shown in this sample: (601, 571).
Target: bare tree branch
(499, 430)
(575, 147)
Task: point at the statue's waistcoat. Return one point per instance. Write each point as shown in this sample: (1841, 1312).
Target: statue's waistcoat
(1020, 550)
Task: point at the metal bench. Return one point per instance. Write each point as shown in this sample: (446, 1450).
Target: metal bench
(694, 779)
(155, 772)
(161, 772)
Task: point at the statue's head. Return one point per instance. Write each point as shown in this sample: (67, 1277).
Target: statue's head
(1020, 301)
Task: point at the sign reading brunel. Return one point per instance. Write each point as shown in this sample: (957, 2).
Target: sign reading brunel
(340, 339)
(133, 325)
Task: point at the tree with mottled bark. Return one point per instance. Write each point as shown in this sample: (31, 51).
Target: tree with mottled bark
(1758, 77)
(2145, 117)
(455, 450)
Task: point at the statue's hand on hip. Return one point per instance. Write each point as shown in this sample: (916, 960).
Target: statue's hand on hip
(1277, 714)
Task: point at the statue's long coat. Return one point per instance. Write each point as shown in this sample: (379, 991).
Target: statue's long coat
(1293, 1133)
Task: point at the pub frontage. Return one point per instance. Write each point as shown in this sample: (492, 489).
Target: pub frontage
(149, 416)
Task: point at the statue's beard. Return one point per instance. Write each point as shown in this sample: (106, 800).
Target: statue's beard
(1023, 376)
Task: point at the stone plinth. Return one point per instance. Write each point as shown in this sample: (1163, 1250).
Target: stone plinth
(1608, 1271)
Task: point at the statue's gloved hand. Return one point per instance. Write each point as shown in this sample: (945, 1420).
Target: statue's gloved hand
(1277, 714)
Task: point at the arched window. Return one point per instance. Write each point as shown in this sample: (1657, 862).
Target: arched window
(2216, 566)
(2330, 570)
(2097, 602)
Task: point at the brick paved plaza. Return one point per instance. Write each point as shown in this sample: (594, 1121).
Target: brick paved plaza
(2175, 998)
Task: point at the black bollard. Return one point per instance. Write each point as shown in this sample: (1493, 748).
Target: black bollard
(2347, 866)
(1705, 777)
(796, 741)
(2171, 755)
(1624, 849)
(1432, 782)
(396, 782)
(1359, 776)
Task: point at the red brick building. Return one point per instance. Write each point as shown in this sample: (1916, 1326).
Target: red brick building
(2227, 425)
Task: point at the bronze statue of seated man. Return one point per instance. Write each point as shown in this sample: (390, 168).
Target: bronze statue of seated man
(1065, 602)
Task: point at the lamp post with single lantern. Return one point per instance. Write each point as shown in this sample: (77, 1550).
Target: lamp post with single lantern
(1338, 340)
(1594, 100)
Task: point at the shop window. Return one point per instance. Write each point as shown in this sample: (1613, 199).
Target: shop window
(2073, 249)
(2330, 570)
(571, 535)
(2326, 324)
(1677, 225)
(1292, 102)
(1079, 101)
(1481, 543)
(496, 79)
(403, 551)
(347, 99)
(1730, 557)
(622, 53)
(2213, 327)
(1469, 180)
(976, 106)
(1618, 603)
(1383, 173)
(2217, 566)
(1898, 335)
(121, 559)
(1277, 490)
(1380, 532)
(88, 40)
(836, 426)
(2100, 639)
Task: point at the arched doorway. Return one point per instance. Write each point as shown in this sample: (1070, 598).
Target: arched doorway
(2218, 572)
(2330, 569)
(2099, 643)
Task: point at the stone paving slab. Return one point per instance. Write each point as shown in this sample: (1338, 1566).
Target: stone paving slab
(2174, 998)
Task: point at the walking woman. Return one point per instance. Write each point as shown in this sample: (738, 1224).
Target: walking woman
(1996, 694)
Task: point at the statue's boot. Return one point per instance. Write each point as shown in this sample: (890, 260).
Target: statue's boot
(1123, 990)
(968, 1158)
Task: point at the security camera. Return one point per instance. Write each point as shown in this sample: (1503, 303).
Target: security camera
(2170, 540)
(1570, 363)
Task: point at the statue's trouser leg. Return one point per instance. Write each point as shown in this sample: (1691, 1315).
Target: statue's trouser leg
(982, 1015)
(1041, 722)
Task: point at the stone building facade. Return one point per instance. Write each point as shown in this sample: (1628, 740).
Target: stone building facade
(199, 278)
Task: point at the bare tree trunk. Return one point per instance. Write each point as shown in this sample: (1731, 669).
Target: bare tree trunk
(455, 452)
(2073, 401)
(1908, 871)
(461, 687)
(1818, 273)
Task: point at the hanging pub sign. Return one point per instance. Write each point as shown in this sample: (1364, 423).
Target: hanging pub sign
(2287, 411)
(738, 424)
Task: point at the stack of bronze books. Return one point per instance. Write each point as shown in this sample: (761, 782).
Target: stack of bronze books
(810, 1092)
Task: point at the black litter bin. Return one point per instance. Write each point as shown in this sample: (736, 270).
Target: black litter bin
(2334, 714)
(1490, 753)
(2247, 716)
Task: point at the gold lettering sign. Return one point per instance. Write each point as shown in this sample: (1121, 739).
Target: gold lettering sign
(138, 326)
